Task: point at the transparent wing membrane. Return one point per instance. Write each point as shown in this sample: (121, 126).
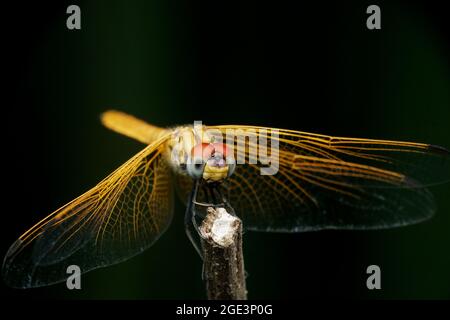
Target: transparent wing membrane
(119, 218)
(330, 182)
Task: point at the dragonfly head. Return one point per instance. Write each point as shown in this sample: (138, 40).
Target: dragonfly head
(212, 162)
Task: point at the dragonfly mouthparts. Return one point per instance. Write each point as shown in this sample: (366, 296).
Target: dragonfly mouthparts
(217, 160)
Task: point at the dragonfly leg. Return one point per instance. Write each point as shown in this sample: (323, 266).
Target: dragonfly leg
(211, 190)
(206, 193)
(190, 223)
(230, 209)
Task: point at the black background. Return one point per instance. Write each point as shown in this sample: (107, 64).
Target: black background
(305, 66)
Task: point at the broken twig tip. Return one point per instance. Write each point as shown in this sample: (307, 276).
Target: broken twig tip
(221, 236)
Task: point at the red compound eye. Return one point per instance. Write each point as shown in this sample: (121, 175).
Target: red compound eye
(203, 151)
(207, 150)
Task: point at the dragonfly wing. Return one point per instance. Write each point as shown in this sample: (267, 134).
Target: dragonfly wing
(329, 182)
(287, 203)
(131, 126)
(117, 219)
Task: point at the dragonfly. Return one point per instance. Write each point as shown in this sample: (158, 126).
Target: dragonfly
(322, 182)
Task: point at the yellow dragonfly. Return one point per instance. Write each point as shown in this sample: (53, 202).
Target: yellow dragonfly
(321, 182)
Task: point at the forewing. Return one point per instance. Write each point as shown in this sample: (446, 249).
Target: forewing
(117, 219)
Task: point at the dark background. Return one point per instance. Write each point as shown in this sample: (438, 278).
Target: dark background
(309, 67)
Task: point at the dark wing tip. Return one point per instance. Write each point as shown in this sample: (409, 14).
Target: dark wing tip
(411, 183)
(438, 149)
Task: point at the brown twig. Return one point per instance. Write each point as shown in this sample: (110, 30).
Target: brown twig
(223, 261)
